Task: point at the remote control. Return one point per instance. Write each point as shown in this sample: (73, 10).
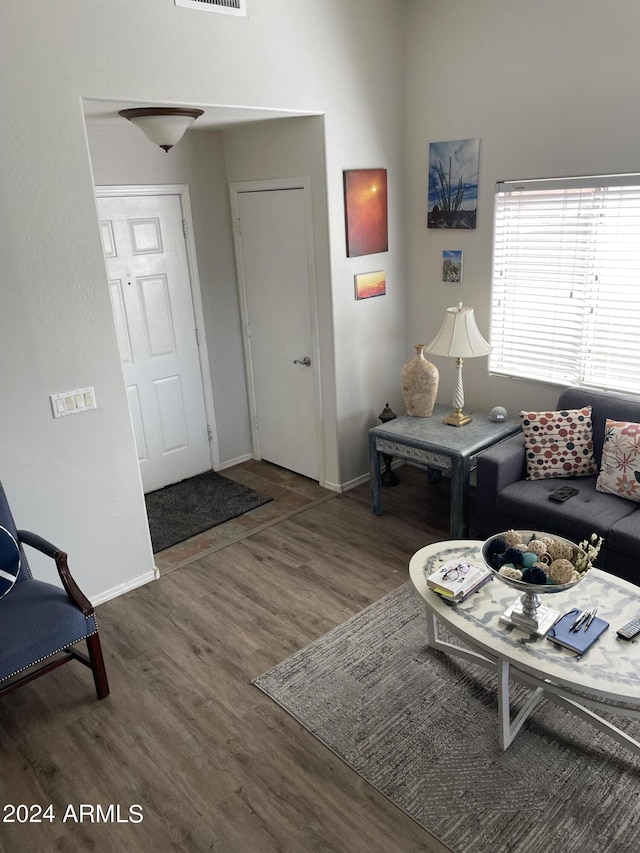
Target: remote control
(563, 494)
(629, 631)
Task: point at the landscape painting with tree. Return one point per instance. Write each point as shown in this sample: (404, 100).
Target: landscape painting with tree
(453, 183)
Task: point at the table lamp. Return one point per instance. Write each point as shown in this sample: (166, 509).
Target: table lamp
(459, 338)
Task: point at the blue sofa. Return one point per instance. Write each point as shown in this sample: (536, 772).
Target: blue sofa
(505, 499)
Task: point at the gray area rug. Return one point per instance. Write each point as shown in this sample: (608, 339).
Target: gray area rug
(185, 509)
(421, 727)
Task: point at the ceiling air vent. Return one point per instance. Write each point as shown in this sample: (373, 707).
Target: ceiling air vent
(229, 7)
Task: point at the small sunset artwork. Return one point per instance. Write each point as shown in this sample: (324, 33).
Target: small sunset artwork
(365, 199)
(370, 284)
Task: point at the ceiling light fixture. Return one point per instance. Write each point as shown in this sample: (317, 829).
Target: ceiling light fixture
(165, 126)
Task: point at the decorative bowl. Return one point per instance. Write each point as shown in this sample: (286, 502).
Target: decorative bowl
(527, 612)
(523, 586)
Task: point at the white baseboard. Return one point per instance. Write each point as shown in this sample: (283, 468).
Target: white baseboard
(364, 478)
(231, 462)
(115, 591)
(351, 484)
(333, 487)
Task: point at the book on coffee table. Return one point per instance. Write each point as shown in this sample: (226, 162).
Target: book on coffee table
(458, 579)
(577, 641)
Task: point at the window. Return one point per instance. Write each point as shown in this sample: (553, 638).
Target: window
(566, 281)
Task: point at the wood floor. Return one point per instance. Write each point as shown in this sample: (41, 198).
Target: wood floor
(214, 764)
(289, 492)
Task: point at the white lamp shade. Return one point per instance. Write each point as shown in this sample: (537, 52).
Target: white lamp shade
(459, 336)
(165, 126)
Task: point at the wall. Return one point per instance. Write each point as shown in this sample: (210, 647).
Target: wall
(550, 89)
(294, 148)
(121, 154)
(76, 479)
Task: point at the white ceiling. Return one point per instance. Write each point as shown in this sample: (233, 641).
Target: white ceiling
(216, 117)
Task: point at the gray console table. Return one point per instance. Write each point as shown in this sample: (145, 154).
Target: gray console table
(438, 447)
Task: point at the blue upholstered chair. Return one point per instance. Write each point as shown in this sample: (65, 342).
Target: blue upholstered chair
(40, 623)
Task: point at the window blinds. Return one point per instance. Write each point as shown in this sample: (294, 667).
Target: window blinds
(566, 281)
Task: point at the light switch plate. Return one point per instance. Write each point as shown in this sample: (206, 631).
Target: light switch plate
(72, 402)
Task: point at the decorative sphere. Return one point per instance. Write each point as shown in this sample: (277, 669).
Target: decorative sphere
(561, 571)
(511, 537)
(528, 559)
(511, 572)
(513, 555)
(560, 551)
(534, 575)
(497, 546)
(498, 413)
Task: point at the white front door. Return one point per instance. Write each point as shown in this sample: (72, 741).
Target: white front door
(146, 258)
(274, 271)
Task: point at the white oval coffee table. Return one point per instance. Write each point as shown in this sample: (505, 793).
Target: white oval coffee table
(605, 678)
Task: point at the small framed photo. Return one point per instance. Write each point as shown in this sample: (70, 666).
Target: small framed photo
(368, 284)
(452, 266)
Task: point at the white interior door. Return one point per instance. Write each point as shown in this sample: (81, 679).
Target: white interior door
(274, 263)
(144, 246)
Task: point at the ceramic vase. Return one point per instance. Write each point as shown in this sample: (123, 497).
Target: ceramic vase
(419, 380)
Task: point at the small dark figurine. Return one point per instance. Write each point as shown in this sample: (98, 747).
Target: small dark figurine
(389, 477)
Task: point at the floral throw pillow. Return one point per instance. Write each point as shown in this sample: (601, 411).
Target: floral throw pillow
(558, 444)
(620, 466)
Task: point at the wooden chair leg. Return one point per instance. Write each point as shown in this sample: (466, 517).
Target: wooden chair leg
(97, 666)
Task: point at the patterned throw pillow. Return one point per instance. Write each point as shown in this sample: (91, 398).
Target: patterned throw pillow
(9, 561)
(620, 466)
(558, 444)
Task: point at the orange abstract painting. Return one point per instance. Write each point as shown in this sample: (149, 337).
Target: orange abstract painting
(365, 200)
(370, 284)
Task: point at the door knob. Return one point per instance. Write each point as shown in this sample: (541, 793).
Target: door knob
(306, 361)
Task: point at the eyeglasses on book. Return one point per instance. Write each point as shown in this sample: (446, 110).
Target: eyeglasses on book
(454, 573)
